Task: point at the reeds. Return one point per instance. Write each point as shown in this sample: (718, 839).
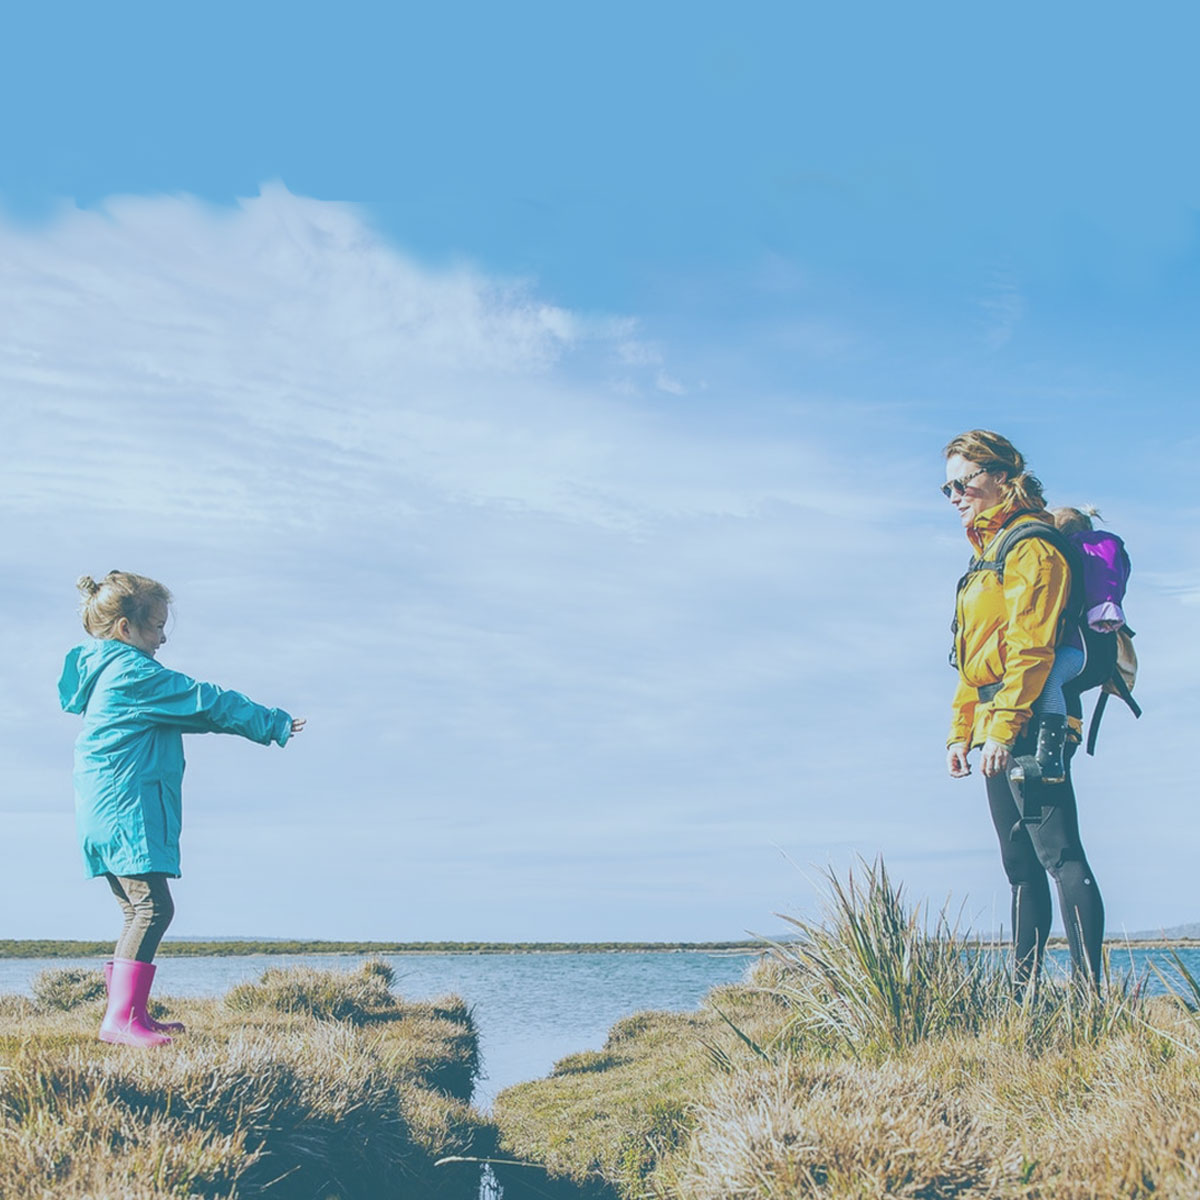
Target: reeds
(876, 975)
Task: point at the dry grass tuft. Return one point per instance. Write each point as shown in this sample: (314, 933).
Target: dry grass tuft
(66, 988)
(963, 1116)
(802, 1130)
(359, 996)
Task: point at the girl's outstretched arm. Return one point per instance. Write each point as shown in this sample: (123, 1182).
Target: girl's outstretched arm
(173, 698)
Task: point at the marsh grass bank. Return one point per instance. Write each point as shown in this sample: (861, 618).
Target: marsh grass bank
(305, 1084)
(879, 1055)
(602, 1122)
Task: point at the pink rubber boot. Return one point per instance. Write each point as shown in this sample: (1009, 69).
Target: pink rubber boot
(125, 1021)
(147, 1019)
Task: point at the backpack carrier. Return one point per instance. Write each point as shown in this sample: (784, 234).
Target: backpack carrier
(1110, 662)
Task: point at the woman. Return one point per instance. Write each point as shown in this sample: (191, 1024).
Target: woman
(1005, 635)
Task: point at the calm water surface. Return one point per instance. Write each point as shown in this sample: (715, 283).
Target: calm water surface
(531, 1009)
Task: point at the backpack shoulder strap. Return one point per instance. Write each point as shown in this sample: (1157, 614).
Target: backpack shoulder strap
(1013, 535)
(1012, 532)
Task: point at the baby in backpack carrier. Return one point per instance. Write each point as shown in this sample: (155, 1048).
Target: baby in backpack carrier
(1105, 567)
(1105, 574)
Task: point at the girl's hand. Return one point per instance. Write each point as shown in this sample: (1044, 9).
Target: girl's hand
(995, 758)
(298, 724)
(956, 760)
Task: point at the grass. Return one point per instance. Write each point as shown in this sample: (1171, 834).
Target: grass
(281, 1090)
(882, 1054)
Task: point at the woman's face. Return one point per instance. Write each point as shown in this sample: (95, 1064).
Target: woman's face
(980, 489)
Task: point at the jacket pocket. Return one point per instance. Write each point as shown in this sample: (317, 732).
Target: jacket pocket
(160, 815)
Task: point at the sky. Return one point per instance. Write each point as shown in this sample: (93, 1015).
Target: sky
(547, 402)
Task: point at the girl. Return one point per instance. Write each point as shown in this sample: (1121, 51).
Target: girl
(129, 771)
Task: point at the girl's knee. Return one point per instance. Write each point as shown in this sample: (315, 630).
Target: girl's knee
(152, 902)
(161, 909)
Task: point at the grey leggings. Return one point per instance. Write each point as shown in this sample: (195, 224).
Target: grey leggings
(147, 908)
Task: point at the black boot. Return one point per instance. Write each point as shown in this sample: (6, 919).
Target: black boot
(1051, 739)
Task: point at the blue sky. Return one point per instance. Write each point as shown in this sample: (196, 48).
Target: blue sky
(547, 401)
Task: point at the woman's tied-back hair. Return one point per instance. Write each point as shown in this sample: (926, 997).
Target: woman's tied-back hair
(119, 594)
(998, 455)
(1075, 520)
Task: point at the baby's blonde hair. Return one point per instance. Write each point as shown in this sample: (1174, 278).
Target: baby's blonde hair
(119, 594)
(1074, 520)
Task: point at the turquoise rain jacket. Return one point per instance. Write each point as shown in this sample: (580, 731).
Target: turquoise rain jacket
(129, 758)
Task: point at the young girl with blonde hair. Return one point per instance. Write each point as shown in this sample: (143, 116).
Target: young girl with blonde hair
(129, 771)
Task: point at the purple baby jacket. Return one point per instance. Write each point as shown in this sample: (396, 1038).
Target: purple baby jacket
(1105, 574)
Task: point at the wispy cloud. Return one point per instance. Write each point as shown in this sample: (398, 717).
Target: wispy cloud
(1003, 308)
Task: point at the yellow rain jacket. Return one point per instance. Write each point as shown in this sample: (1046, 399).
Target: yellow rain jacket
(1006, 631)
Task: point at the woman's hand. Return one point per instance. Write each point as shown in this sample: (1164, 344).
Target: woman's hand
(995, 758)
(956, 760)
(298, 723)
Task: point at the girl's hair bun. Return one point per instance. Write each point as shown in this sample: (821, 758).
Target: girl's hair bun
(119, 594)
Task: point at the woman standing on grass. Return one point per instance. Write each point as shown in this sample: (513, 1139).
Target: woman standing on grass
(129, 773)
(1007, 625)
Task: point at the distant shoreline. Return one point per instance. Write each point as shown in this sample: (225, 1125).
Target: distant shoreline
(236, 948)
(57, 948)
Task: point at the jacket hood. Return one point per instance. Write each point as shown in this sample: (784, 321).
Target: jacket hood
(82, 669)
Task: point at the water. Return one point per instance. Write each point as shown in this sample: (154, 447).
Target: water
(531, 1009)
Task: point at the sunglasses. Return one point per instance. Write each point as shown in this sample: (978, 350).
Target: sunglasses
(959, 486)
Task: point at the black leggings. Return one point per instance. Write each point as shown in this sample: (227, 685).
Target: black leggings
(1030, 854)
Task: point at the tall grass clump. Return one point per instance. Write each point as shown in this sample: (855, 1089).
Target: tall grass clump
(876, 975)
